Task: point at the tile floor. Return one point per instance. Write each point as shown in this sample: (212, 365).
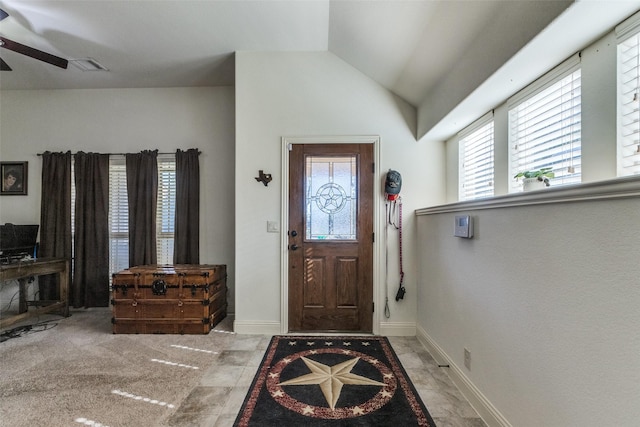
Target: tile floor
(228, 380)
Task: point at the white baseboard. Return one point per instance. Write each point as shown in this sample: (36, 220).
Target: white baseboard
(256, 327)
(398, 329)
(489, 413)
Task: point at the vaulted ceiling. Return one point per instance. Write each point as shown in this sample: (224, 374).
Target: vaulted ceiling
(408, 46)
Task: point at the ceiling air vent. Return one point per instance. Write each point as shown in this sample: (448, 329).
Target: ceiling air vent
(88, 64)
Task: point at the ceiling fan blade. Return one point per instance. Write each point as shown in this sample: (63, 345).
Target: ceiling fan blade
(4, 66)
(3, 14)
(33, 53)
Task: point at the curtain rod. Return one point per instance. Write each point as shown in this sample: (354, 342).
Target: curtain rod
(120, 154)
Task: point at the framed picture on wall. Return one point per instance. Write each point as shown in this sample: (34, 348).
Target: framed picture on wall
(14, 178)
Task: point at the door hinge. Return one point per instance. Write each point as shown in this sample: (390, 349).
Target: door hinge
(373, 307)
(373, 167)
(373, 237)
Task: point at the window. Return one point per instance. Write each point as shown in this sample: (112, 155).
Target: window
(476, 160)
(166, 212)
(118, 216)
(628, 149)
(331, 199)
(119, 212)
(545, 127)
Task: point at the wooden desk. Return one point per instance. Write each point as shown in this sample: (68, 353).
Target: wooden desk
(24, 270)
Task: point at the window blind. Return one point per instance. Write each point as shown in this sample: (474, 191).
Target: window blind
(476, 169)
(545, 128)
(73, 214)
(118, 215)
(628, 70)
(165, 213)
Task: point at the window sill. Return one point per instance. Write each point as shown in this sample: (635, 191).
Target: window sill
(618, 188)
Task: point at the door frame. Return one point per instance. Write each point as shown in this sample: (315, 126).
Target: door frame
(284, 221)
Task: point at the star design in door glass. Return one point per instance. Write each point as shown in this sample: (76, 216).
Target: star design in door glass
(331, 198)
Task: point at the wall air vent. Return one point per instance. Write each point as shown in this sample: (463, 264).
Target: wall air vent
(88, 64)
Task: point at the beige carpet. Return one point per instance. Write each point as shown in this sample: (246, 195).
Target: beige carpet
(74, 371)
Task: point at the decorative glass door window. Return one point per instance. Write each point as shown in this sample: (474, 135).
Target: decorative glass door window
(330, 198)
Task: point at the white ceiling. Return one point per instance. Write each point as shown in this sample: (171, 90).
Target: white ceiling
(408, 46)
(404, 45)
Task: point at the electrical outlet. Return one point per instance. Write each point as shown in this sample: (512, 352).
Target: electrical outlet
(467, 359)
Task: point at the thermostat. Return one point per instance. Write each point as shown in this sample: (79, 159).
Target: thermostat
(463, 226)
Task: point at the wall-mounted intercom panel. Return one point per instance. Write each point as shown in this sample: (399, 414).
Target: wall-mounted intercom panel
(463, 226)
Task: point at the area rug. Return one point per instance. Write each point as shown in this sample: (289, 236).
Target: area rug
(332, 381)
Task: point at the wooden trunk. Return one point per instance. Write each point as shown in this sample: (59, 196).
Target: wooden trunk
(169, 299)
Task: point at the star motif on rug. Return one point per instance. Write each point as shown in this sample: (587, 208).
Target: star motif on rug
(357, 410)
(331, 379)
(324, 373)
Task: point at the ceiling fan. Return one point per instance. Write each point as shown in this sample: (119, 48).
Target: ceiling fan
(28, 51)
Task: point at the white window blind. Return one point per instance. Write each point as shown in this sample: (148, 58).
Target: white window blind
(119, 212)
(545, 127)
(118, 215)
(73, 214)
(628, 70)
(166, 211)
(476, 171)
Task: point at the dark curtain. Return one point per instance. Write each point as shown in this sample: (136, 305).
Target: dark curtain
(142, 194)
(55, 216)
(186, 249)
(90, 287)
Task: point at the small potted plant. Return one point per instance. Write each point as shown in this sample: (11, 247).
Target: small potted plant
(535, 179)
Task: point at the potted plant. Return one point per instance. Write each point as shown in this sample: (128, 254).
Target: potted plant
(535, 179)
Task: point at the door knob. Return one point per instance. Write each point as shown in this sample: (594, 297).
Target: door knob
(294, 247)
(294, 233)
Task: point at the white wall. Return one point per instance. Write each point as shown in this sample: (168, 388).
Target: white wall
(546, 299)
(315, 94)
(128, 120)
(599, 105)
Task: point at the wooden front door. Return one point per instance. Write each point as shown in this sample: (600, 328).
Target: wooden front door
(330, 237)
